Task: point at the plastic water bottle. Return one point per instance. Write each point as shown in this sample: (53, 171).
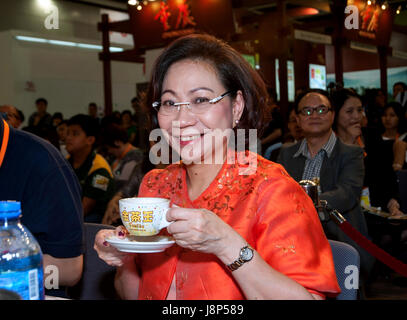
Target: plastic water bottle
(21, 269)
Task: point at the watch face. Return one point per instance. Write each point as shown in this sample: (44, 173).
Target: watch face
(246, 254)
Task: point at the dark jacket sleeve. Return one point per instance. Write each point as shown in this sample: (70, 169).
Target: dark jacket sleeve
(345, 194)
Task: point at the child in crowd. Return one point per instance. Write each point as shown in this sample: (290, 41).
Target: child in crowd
(127, 169)
(92, 170)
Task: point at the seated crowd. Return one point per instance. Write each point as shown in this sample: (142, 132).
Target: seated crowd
(350, 145)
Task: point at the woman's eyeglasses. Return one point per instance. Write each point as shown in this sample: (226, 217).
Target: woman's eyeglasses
(198, 106)
(307, 111)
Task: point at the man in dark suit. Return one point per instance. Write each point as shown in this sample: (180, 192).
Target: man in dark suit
(337, 167)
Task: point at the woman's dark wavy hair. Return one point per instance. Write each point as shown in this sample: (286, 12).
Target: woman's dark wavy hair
(233, 71)
(338, 99)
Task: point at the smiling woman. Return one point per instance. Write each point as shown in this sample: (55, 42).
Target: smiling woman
(190, 130)
(239, 234)
(349, 115)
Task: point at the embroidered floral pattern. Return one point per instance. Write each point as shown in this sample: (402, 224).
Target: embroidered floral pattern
(288, 249)
(218, 199)
(260, 208)
(299, 208)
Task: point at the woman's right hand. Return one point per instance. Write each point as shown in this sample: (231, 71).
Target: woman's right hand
(106, 252)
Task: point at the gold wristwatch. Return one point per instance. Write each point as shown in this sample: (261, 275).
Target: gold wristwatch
(245, 255)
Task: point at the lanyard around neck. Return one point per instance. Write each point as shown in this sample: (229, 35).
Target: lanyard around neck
(4, 143)
(360, 144)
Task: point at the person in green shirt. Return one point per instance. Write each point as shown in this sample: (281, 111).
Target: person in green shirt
(128, 125)
(93, 171)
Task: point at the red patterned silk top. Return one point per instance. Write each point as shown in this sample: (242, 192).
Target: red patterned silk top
(268, 209)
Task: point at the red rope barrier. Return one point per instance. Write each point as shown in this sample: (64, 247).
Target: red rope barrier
(374, 250)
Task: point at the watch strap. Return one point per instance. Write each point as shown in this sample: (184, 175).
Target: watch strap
(239, 262)
(236, 264)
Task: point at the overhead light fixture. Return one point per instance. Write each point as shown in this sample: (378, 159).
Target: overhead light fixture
(62, 43)
(139, 7)
(384, 7)
(145, 2)
(132, 2)
(398, 10)
(90, 46)
(31, 39)
(369, 3)
(68, 43)
(45, 4)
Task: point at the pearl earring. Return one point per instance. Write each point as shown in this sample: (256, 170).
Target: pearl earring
(236, 121)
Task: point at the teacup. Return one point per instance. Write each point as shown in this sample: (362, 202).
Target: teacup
(144, 216)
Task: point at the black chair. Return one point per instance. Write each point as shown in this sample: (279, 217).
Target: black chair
(346, 260)
(402, 182)
(97, 282)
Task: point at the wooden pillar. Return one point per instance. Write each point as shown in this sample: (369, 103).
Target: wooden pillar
(338, 10)
(283, 56)
(107, 72)
(338, 60)
(382, 50)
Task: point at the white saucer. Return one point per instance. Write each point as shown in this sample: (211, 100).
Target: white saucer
(149, 244)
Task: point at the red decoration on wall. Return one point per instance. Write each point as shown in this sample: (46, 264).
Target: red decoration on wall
(184, 15)
(375, 24)
(370, 18)
(29, 86)
(163, 15)
(160, 18)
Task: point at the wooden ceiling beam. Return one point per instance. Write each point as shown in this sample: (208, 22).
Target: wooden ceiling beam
(119, 26)
(124, 56)
(247, 4)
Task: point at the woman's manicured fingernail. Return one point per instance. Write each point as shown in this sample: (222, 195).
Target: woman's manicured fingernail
(121, 233)
(105, 243)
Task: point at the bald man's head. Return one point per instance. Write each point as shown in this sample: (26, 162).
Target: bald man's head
(13, 117)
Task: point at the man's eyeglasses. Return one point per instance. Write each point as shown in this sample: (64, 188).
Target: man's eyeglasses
(307, 111)
(199, 106)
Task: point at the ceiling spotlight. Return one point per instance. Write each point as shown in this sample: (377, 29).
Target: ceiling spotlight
(398, 10)
(45, 4)
(132, 2)
(145, 2)
(369, 2)
(139, 7)
(384, 7)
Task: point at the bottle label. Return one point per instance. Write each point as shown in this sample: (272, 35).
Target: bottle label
(28, 284)
(365, 198)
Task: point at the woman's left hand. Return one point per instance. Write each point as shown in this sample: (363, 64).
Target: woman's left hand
(201, 230)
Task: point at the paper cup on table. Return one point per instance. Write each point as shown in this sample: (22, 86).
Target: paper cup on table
(144, 216)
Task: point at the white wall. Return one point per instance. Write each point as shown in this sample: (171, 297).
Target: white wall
(75, 19)
(69, 78)
(6, 69)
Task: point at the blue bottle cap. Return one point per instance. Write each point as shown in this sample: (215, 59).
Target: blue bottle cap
(10, 209)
